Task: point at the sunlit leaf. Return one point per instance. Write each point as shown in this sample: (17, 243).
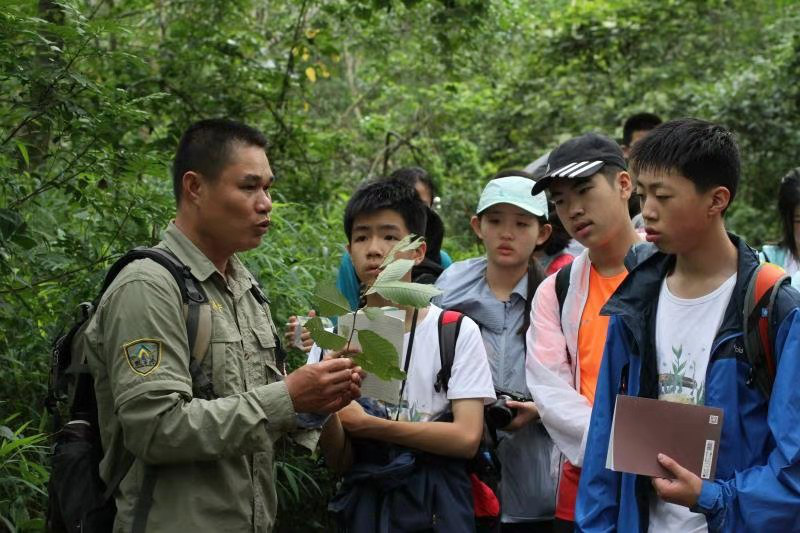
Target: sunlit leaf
(405, 241)
(24, 151)
(311, 74)
(394, 271)
(415, 242)
(404, 293)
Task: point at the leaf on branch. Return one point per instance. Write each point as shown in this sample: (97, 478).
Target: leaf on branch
(416, 242)
(394, 271)
(378, 356)
(324, 339)
(373, 312)
(23, 150)
(404, 293)
(327, 340)
(400, 247)
(328, 301)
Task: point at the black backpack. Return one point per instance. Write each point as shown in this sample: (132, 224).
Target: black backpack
(78, 498)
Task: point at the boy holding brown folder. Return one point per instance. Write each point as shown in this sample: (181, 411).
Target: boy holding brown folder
(676, 334)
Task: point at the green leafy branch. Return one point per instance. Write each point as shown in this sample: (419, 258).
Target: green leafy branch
(378, 356)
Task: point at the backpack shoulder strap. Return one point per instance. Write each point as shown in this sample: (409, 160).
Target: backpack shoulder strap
(196, 309)
(562, 286)
(448, 327)
(759, 330)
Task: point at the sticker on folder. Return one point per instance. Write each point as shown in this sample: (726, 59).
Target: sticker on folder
(642, 428)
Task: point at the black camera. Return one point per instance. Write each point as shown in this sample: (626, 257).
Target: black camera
(498, 414)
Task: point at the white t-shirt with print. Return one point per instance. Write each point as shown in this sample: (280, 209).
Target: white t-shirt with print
(685, 332)
(470, 376)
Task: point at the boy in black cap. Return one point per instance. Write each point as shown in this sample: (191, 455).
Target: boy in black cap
(590, 187)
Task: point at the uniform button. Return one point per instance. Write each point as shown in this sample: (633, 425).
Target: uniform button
(247, 355)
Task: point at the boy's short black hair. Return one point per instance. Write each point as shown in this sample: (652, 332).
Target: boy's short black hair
(704, 153)
(788, 200)
(413, 175)
(390, 194)
(205, 147)
(638, 122)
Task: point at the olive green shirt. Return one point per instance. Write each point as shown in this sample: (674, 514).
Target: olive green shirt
(213, 459)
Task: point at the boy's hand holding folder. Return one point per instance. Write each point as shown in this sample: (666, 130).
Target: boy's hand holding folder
(675, 443)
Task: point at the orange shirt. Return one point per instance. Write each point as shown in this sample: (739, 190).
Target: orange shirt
(593, 328)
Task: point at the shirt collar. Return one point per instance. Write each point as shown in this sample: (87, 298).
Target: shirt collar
(190, 255)
(521, 287)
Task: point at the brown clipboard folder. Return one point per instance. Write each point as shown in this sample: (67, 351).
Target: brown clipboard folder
(642, 428)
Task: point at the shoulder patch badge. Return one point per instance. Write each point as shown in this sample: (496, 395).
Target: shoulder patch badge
(143, 355)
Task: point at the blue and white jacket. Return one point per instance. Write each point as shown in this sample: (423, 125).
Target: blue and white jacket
(757, 487)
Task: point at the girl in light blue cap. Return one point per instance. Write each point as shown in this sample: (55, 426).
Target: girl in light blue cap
(496, 292)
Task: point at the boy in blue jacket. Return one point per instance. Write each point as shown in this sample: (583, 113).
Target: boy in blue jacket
(676, 334)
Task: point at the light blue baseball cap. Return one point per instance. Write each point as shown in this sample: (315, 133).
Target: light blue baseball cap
(514, 190)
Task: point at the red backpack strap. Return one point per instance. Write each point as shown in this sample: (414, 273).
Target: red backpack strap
(759, 334)
(449, 326)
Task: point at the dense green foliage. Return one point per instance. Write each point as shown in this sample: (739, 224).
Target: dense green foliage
(95, 93)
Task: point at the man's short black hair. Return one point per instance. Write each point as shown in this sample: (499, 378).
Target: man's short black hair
(413, 175)
(205, 148)
(390, 194)
(704, 153)
(638, 122)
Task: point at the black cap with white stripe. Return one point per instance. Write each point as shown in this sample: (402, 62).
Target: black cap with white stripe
(580, 157)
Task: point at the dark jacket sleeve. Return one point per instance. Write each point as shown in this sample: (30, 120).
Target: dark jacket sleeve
(766, 497)
(597, 506)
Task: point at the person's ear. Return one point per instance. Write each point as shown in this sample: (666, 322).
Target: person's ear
(720, 199)
(193, 186)
(419, 253)
(625, 184)
(475, 224)
(347, 247)
(545, 230)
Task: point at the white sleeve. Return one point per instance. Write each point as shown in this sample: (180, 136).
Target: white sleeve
(470, 376)
(564, 411)
(315, 355)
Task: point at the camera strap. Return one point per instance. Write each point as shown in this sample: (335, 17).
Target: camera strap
(407, 361)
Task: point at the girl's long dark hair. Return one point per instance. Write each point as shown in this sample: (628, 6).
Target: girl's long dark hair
(535, 277)
(788, 200)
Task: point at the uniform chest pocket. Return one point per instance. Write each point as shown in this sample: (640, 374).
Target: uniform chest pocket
(265, 346)
(227, 353)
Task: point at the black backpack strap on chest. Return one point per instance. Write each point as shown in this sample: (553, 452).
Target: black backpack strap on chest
(759, 324)
(449, 325)
(562, 288)
(562, 285)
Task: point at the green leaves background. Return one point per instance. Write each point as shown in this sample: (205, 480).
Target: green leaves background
(94, 95)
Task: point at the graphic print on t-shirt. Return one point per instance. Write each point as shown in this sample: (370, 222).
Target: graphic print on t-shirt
(407, 413)
(685, 332)
(679, 382)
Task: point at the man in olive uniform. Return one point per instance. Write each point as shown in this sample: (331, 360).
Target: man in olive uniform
(204, 465)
